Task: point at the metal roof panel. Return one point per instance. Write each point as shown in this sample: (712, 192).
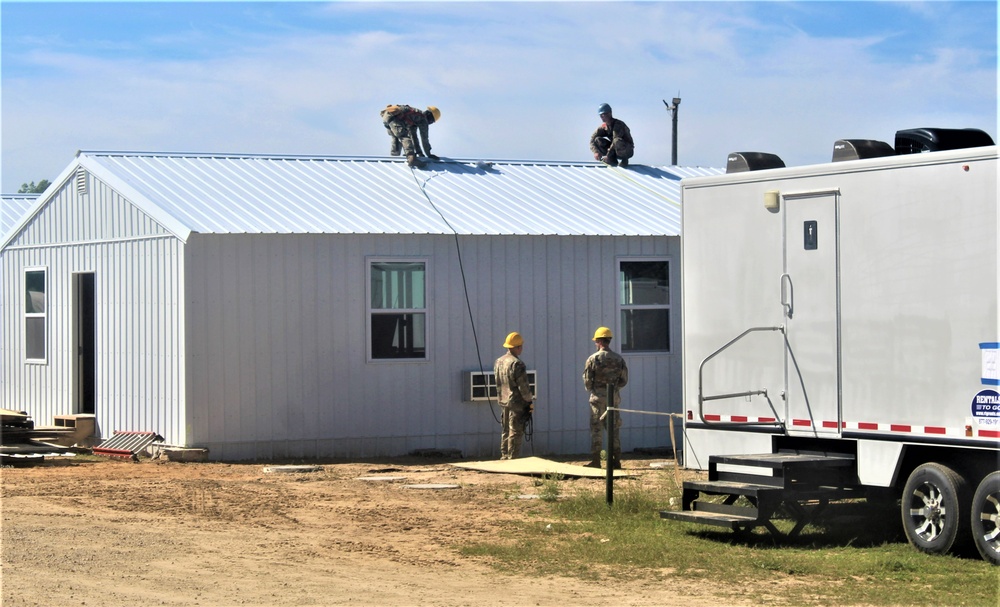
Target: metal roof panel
(371, 195)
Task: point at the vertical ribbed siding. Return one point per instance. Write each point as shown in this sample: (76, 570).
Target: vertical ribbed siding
(138, 290)
(277, 343)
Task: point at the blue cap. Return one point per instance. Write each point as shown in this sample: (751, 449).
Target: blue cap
(604, 109)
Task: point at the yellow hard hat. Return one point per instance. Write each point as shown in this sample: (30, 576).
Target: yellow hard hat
(435, 112)
(513, 340)
(602, 333)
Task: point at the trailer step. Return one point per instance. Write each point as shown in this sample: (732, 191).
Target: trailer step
(784, 469)
(756, 488)
(783, 460)
(730, 521)
(725, 487)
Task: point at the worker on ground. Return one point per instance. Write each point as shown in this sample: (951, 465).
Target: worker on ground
(408, 129)
(604, 368)
(612, 142)
(514, 395)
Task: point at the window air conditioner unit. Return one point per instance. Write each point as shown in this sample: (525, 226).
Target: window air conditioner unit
(483, 386)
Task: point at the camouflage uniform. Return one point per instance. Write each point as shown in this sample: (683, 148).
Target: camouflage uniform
(613, 141)
(408, 128)
(514, 397)
(602, 368)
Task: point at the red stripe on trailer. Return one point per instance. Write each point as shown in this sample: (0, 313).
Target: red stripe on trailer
(831, 424)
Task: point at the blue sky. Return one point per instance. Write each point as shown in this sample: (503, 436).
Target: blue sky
(514, 80)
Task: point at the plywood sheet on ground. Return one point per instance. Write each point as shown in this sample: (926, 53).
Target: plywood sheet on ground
(537, 466)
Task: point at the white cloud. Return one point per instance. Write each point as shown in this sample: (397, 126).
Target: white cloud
(513, 80)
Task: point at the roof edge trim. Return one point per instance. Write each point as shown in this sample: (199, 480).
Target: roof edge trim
(168, 221)
(42, 200)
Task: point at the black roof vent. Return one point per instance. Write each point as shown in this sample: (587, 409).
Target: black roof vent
(916, 141)
(740, 162)
(859, 149)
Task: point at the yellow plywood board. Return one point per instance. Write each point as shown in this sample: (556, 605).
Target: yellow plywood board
(537, 466)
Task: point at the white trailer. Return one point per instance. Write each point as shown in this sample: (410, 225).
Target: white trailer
(841, 340)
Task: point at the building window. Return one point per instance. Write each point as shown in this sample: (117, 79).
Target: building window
(35, 319)
(644, 301)
(398, 309)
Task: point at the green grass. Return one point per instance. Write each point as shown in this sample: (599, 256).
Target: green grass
(861, 559)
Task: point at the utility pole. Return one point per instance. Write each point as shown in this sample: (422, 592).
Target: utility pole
(673, 112)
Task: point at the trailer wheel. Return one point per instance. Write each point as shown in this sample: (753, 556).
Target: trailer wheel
(986, 518)
(933, 506)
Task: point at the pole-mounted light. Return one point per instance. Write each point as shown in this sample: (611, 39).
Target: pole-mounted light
(672, 108)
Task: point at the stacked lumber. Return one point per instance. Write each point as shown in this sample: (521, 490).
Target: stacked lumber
(20, 439)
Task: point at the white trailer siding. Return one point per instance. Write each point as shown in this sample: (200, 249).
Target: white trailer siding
(277, 344)
(138, 274)
(914, 313)
(912, 292)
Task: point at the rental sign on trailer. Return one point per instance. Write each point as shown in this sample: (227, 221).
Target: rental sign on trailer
(841, 336)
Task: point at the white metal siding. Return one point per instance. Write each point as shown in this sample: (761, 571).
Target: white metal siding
(252, 340)
(276, 340)
(138, 280)
(99, 215)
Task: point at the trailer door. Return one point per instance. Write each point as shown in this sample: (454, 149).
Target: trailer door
(810, 296)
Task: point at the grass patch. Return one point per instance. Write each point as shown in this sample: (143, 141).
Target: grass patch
(550, 487)
(858, 558)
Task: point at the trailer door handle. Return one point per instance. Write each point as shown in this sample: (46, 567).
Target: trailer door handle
(787, 295)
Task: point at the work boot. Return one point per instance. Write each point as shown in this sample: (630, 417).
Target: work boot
(623, 163)
(616, 465)
(412, 161)
(594, 463)
(610, 161)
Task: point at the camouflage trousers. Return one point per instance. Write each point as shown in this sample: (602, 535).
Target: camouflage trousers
(402, 136)
(621, 150)
(512, 435)
(597, 426)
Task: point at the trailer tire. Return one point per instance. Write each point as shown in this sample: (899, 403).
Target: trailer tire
(986, 518)
(934, 506)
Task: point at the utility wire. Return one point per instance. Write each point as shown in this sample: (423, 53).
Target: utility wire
(465, 285)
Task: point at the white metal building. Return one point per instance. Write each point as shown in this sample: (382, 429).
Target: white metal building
(266, 306)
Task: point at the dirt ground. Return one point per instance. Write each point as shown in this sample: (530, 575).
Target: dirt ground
(106, 532)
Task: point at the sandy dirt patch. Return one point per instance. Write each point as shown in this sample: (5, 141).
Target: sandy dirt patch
(114, 533)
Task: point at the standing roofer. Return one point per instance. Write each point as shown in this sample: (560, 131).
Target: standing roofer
(514, 395)
(612, 142)
(407, 128)
(604, 368)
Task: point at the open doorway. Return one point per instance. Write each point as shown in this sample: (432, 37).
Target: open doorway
(85, 337)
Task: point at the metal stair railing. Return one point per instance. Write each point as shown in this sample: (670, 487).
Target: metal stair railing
(702, 399)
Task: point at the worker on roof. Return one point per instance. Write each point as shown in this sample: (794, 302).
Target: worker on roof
(612, 142)
(514, 395)
(408, 129)
(604, 368)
